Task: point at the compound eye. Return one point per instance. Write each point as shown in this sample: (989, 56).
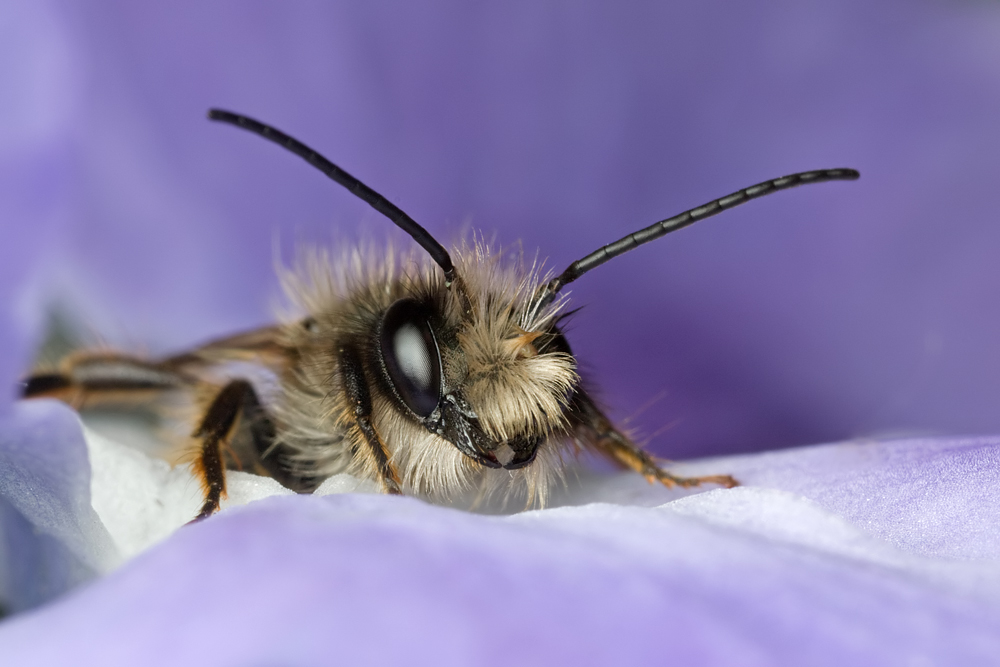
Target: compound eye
(410, 355)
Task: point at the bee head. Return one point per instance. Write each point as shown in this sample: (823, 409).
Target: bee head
(471, 366)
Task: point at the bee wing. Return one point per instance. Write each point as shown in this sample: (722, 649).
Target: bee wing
(261, 346)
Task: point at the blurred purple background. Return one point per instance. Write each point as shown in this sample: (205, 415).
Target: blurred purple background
(820, 314)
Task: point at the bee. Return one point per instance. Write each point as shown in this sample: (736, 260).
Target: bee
(434, 374)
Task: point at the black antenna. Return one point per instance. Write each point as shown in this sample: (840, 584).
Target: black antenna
(663, 227)
(357, 188)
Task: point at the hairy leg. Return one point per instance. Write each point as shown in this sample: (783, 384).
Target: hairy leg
(214, 432)
(359, 397)
(89, 379)
(596, 430)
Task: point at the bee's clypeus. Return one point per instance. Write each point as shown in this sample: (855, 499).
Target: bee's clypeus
(436, 374)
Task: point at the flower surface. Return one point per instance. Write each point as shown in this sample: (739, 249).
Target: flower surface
(867, 552)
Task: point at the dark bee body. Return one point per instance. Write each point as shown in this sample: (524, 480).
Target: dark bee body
(434, 378)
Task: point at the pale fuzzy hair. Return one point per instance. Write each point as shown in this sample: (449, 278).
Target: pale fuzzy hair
(514, 390)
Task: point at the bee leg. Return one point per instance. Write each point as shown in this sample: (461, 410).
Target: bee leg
(215, 430)
(46, 385)
(272, 456)
(600, 433)
(89, 378)
(356, 387)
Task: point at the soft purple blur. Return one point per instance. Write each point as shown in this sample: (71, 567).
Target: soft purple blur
(831, 311)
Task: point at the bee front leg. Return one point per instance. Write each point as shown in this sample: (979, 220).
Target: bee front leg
(599, 433)
(359, 397)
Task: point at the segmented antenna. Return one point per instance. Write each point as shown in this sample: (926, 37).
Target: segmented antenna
(663, 227)
(356, 187)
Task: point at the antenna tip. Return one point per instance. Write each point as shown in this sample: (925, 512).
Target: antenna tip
(219, 114)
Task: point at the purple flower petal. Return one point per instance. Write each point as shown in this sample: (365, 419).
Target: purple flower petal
(52, 538)
(755, 575)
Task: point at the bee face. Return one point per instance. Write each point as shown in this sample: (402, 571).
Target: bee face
(461, 381)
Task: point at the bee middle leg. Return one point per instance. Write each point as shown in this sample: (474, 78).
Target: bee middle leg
(235, 403)
(601, 434)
